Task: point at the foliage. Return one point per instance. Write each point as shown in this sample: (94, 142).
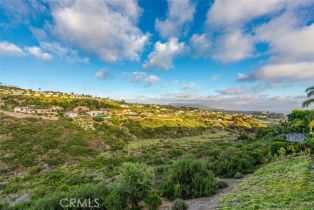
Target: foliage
(179, 204)
(231, 161)
(284, 184)
(188, 178)
(134, 183)
(153, 200)
(299, 120)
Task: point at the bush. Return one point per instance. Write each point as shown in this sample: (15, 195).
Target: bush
(221, 184)
(188, 178)
(179, 204)
(238, 175)
(153, 200)
(134, 183)
(231, 161)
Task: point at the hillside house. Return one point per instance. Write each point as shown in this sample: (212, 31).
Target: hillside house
(95, 113)
(25, 109)
(81, 109)
(71, 114)
(45, 111)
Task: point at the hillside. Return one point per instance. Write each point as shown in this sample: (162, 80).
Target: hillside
(48, 154)
(283, 184)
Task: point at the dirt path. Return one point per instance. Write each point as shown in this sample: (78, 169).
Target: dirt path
(209, 203)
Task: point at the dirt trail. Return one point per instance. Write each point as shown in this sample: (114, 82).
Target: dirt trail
(209, 203)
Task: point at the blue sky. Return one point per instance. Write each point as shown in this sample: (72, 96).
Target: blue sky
(238, 55)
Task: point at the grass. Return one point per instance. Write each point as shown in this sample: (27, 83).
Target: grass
(284, 184)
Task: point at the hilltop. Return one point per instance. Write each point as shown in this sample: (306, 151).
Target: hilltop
(86, 110)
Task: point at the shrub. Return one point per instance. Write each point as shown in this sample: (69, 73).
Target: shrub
(188, 178)
(221, 184)
(238, 175)
(231, 161)
(89, 192)
(153, 200)
(275, 146)
(134, 182)
(179, 204)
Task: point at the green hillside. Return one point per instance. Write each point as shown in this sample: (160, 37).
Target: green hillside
(131, 156)
(284, 184)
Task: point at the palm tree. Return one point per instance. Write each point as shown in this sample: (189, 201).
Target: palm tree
(310, 92)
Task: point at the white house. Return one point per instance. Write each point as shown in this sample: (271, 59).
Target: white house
(95, 113)
(71, 114)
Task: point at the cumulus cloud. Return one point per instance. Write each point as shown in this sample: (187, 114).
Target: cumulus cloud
(180, 14)
(163, 54)
(63, 52)
(147, 79)
(233, 91)
(10, 49)
(233, 46)
(200, 45)
(104, 28)
(234, 14)
(39, 54)
(289, 37)
(281, 73)
(20, 12)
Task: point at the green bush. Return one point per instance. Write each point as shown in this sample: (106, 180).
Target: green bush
(89, 192)
(134, 183)
(179, 204)
(238, 175)
(231, 161)
(188, 178)
(300, 119)
(153, 200)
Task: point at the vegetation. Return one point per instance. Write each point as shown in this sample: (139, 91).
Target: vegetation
(310, 92)
(284, 184)
(179, 204)
(125, 162)
(188, 178)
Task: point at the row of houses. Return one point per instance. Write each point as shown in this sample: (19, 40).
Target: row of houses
(32, 110)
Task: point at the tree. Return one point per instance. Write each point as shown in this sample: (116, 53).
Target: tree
(134, 183)
(310, 92)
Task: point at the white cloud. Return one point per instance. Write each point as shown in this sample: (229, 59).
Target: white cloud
(163, 54)
(39, 54)
(233, 46)
(289, 38)
(63, 52)
(200, 45)
(180, 14)
(10, 49)
(234, 14)
(105, 28)
(233, 91)
(145, 78)
(102, 74)
(286, 72)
